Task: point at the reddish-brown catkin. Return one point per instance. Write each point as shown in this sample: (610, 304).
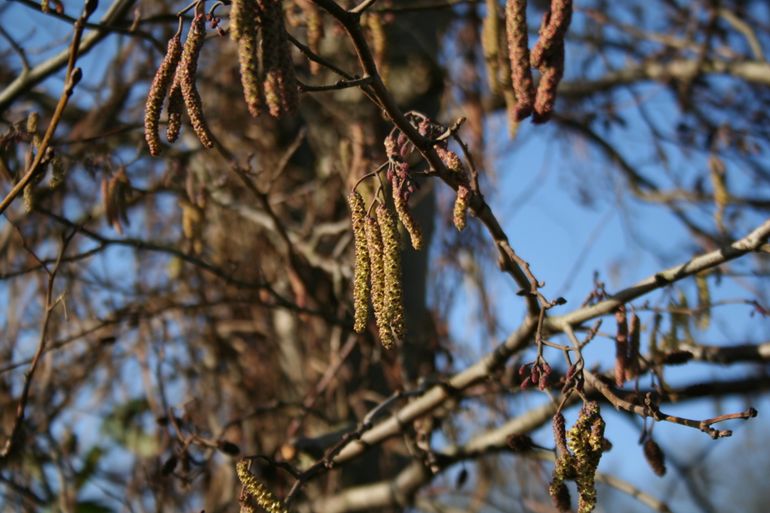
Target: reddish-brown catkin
(280, 85)
(552, 31)
(621, 346)
(244, 16)
(406, 218)
(634, 342)
(175, 108)
(551, 73)
(361, 272)
(654, 456)
(391, 260)
(161, 83)
(518, 54)
(185, 75)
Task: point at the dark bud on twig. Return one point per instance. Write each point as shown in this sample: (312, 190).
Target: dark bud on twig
(228, 448)
(169, 465)
(89, 7)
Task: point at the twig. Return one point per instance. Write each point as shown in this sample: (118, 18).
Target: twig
(50, 305)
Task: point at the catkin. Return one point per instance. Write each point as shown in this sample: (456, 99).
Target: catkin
(259, 492)
(621, 346)
(185, 75)
(551, 73)
(174, 108)
(460, 211)
(280, 84)
(490, 37)
(158, 91)
(361, 288)
(518, 54)
(552, 31)
(377, 276)
(379, 42)
(654, 456)
(406, 218)
(391, 261)
(244, 15)
(585, 441)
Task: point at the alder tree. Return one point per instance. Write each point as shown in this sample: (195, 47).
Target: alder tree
(262, 255)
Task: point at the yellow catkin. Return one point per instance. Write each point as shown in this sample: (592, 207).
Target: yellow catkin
(377, 277)
(280, 84)
(459, 215)
(185, 75)
(257, 491)
(379, 42)
(406, 218)
(243, 30)
(518, 54)
(315, 31)
(161, 83)
(361, 288)
(490, 37)
(391, 260)
(585, 440)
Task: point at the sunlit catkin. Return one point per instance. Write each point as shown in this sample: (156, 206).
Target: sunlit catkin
(459, 214)
(280, 84)
(391, 260)
(161, 83)
(552, 31)
(490, 37)
(243, 30)
(185, 75)
(257, 491)
(518, 54)
(377, 276)
(406, 218)
(361, 288)
(551, 73)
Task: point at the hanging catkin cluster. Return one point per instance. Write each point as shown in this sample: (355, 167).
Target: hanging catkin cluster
(175, 79)
(377, 273)
(577, 457)
(547, 57)
(255, 490)
(244, 17)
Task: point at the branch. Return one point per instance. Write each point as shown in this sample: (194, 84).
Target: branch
(751, 242)
(26, 81)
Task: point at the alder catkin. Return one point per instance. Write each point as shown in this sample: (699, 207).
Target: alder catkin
(256, 490)
(634, 342)
(391, 261)
(185, 75)
(490, 37)
(174, 108)
(460, 211)
(552, 31)
(244, 15)
(654, 456)
(161, 83)
(518, 54)
(551, 73)
(361, 271)
(406, 218)
(621, 346)
(280, 84)
(377, 277)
